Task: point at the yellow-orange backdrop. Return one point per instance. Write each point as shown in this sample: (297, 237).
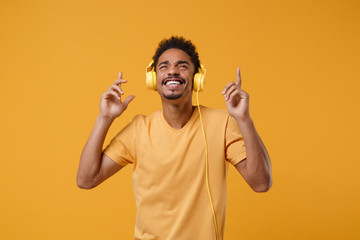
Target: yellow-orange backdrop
(300, 64)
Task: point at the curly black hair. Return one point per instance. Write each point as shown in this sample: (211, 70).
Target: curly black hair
(178, 43)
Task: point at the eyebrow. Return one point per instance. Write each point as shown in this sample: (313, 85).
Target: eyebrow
(178, 62)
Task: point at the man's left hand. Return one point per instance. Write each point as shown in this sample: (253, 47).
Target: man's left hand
(237, 100)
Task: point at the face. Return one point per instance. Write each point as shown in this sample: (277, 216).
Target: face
(174, 74)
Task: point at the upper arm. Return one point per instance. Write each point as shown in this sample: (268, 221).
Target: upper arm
(107, 168)
(260, 182)
(241, 168)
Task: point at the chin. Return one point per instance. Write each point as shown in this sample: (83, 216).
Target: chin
(173, 97)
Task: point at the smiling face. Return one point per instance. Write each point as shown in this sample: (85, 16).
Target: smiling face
(174, 74)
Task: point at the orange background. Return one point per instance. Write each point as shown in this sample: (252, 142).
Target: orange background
(300, 65)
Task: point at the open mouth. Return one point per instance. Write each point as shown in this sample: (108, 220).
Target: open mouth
(173, 81)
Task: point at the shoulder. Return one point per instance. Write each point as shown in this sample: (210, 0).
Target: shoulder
(214, 113)
(141, 119)
(217, 118)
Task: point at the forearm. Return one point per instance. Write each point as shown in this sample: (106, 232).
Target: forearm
(257, 167)
(90, 160)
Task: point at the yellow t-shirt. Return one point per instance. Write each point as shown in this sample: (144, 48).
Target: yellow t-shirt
(169, 172)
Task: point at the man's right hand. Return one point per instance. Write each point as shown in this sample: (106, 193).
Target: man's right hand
(111, 105)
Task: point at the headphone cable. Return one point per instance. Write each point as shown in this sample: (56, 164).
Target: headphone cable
(207, 167)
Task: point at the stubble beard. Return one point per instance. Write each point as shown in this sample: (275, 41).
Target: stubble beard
(173, 96)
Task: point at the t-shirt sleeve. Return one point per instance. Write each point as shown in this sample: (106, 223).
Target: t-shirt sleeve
(121, 149)
(235, 145)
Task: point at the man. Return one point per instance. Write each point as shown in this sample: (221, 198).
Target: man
(179, 180)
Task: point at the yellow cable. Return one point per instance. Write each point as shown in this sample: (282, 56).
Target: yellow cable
(207, 167)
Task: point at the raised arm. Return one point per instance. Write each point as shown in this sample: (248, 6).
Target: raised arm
(256, 168)
(94, 166)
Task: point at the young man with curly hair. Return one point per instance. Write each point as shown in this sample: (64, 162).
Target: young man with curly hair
(179, 181)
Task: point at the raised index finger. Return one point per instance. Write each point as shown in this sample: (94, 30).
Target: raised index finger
(238, 77)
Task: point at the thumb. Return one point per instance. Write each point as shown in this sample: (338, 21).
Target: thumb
(128, 100)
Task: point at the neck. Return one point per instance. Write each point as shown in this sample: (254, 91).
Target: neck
(177, 114)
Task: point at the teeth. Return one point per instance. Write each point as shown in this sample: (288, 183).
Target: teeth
(172, 83)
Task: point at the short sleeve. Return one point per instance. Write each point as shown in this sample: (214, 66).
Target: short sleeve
(235, 145)
(121, 149)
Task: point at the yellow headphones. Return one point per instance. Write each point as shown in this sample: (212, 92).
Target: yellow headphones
(198, 82)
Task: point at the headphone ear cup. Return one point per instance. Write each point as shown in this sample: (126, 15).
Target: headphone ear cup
(199, 79)
(151, 80)
(199, 82)
(150, 77)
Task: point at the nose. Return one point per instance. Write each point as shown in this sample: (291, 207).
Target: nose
(173, 70)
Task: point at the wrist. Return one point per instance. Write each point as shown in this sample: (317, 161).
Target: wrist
(105, 119)
(243, 117)
(244, 120)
